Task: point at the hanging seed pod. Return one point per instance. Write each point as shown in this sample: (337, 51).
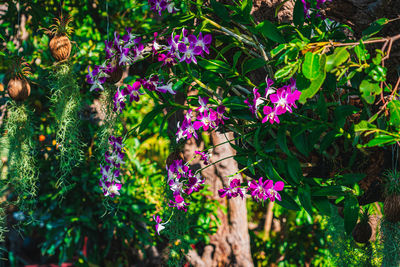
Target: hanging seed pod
(391, 208)
(60, 47)
(18, 89)
(60, 44)
(18, 86)
(362, 232)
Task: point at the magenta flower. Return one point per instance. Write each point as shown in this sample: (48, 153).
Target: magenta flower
(119, 100)
(203, 101)
(159, 225)
(179, 203)
(205, 156)
(133, 91)
(124, 56)
(189, 130)
(110, 188)
(258, 190)
(205, 120)
(189, 53)
(158, 5)
(272, 190)
(257, 100)
(194, 184)
(116, 142)
(271, 115)
(220, 114)
(232, 191)
(167, 59)
(204, 42)
(116, 158)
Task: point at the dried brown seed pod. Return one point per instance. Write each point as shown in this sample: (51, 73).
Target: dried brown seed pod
(362, 232)
(18, 89)
(60, 47)
(391, 208)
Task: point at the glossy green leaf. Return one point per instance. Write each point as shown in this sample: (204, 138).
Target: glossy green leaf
(382, 139)
(220, 10)
(333, 190)
(369, 89)
(394, 108)
(215, 65)
(313, 88)
(311, 67)
(294, 169)
(287, 201)
(339, 56)
(270, 31)
(253, 64)
(374, 28)
(351, 209)
(298, 13)
(304, 194)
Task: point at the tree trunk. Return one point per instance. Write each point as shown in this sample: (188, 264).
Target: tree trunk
(231, 244)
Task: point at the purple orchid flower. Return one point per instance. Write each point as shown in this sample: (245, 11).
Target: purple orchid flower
(159, 225)
(272, 190)
(189, 53)
(119, 100)
(205, 156)
(179, 203)
(271, 115)
(133, 91)
(232, 191)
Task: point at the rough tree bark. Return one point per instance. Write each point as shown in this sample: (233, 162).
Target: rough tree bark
(231, 244)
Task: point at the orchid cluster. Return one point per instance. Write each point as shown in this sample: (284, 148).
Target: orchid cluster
(161, 5)
(205, 118)
(109, 174)
(182, 181)
(307, 7)
(283, 100)
(259, 190)
(185, 47)
(122, 51)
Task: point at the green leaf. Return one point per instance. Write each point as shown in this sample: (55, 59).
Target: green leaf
(150, 117)
(220, 10)
(294, 169)
(270, 31)
(323, 205)
(281, 140)
(215, 66)
(305, 198)
(369, 89)
(350, 179)
(364, 126)
(313, 88)
(288, 202)
(311, 67)
(382, 139)
(351, 209)
(394, 108)
(277, 50)
(283, 72)
(333, 190)
(253, 64)
(342, 112)
(298, 13)
(339, 56)
(236, 57)
(374, 28)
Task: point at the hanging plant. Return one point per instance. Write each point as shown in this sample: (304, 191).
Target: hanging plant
(60, 45)
(18, 86)
(362, 232)
(392, 201)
